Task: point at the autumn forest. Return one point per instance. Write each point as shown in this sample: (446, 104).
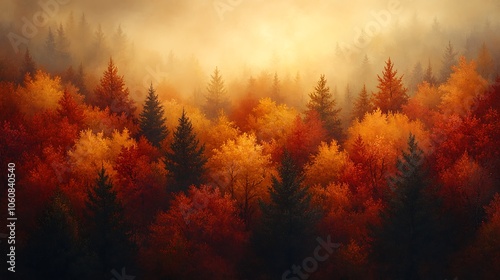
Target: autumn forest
(369, 163)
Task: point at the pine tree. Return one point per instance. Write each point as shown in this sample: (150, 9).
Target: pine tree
(109, 235)
(50, 44)
(392, 94)
(28, 67)
(406, 244)
(288, 221)
(55, 250)
(152, 119)
(362, 105)
(485, 63)
(216, 98)
(417, 76)
(322, 101)
(112, 93)
(449, 59)
(275, 90)
(429, 76)
(185, 163)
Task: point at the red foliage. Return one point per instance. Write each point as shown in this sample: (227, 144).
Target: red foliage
(200, 237)
(241, 111)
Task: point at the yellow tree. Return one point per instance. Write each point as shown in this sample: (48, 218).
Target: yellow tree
(239, 167)
(463, 87)
(39, 94)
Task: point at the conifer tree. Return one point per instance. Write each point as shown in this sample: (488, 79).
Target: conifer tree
(276, 91)
(391, 95)
(112, 93)
(429, 76)
(449, 59)
(109, 234)
(216, 98)
(288, 220)
(28, 67)
(362, 105)
(152, 119)
(185, 163)
(407, 241)
(322, 101)
(50, 44)
(485, 63)
(55, 249)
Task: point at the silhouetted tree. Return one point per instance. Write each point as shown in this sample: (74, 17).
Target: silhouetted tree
(428, 75)
(28, 67)
(449, 59)
(288, 223)
(185, 162)
(152, 119)
(109, 235)
(362, 105)
(407, 243)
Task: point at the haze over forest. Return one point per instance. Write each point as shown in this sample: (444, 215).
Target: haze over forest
(179, 43)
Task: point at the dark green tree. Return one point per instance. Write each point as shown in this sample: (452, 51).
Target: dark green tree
(55, 249)
(362, 105)
(449, 59)
(322, 101)
(288, 227)
(216, 98)
(407, 243)
(152, 119)
(109, 234)
(185, 162)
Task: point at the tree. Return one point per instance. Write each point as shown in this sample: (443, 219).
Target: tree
(112, 93)
(276, 90)
(55, 250)
(288, 221)
(417, 75)
(449, 59)
(109, 235)
(407, 241)
(362, 105)
(322, 101)
(50, 44)
(392, 93)
(185, 162)
(239, 167)
(485, 63)
(152, 119)
(201, 227)
(28, 67)
(428, 75)
(216, 98)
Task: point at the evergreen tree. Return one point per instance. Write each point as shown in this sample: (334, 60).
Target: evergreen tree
(406, 244)
(322, 101)
(287, 230)
(55, 250)
(362, 105)
(392, 94)
(417, 76)
(429, 76)
(28, 67)
(50, 44)
(485, 63)
(185, 162)
(112, 93)
(216, 98)
(276, 91)
(449, 59)
(109, 235)
(152, 119)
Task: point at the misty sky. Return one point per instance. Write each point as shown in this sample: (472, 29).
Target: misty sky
(275, 35)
